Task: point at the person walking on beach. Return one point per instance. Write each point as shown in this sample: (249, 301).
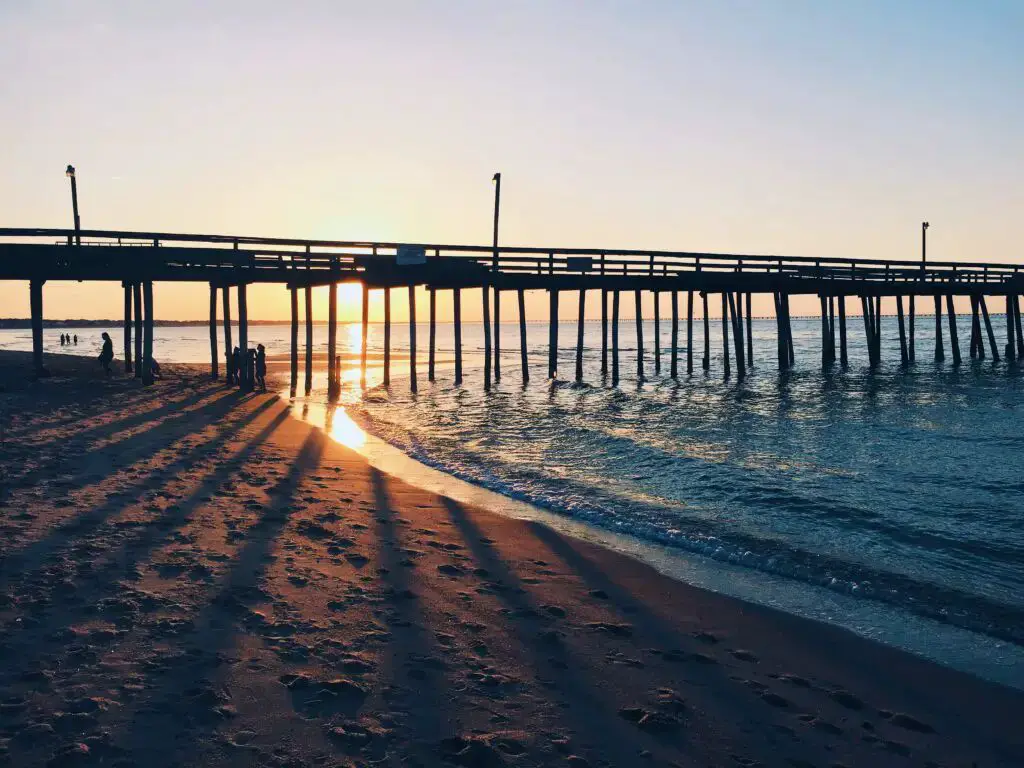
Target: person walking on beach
(107, 353)
(62, 339)
(76, 339)
(261, 366)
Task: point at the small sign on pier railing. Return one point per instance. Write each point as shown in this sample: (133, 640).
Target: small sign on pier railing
(409, 255)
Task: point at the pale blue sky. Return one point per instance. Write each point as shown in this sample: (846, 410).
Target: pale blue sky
(773, 127)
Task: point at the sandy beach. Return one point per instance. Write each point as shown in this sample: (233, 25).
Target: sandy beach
(190, 576)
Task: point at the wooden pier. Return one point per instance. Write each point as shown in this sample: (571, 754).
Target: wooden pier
(139, 259)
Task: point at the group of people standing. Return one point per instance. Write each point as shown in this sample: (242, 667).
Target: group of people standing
(238, 372)
(65, 339)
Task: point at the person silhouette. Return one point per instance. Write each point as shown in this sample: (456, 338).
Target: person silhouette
(76, 339)
(236, 365)
(107, 353)
(62, 339)
(261, 366)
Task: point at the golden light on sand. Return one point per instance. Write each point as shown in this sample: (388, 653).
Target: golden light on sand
(342, 429)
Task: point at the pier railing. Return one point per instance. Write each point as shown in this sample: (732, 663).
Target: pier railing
(350, 258)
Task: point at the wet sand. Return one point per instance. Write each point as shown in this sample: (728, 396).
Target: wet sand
(189, 576)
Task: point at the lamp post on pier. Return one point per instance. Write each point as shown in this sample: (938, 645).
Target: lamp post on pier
(70, 173)
(924, 242)
(494, 267)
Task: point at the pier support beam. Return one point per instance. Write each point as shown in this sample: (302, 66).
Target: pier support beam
(128, 326)
(139, 332)
(615, 338)
(1011, 347)
(35, 296)
(750, 332)
(789, 330)
(831, 329)
(387, 336)
(725, 334)
(975, 331)
(912, 344)
(824, 330)
(230, 374)
(293, 383)
(689, 333)
(657, 332)
(604, 332)
(904, 355)
(523, 351)
(939, 355)
(579, 336)
(364, 332)
(673, 366)
(553, 333)
(867, 308)
(736, 310)
(432, 334)
(457, 318)
(638, 295)
(954, 342)
(244, 377)
(214, 358)
(497, 334)
(706, 363)
(332, 339)
(413, 384)
(1020, 329)
(486, 294)
(147, 341)
(993, 347)
(843, 358)
(308, 383)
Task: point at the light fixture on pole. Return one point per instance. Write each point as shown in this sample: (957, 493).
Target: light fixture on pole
(70, 173)
(497, 207)
(924, 242)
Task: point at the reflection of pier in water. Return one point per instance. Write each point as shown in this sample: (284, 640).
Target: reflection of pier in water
(138, 259)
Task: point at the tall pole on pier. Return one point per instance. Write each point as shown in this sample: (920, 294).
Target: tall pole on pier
(494, 266)
(924, 243)
(70, 173)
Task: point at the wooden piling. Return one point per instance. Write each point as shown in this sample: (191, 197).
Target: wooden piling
(139, 332)
(413, 384)
(843, 359)
(736, 312)
(639, 335)
(725, 333)
(789, 331)
(230, 374)
(615, 338)
(523, 351)
(689, 333)
(912, 343)
(244, 377)
(387, 336)
(604, 331)
(869, 328)
(332, 339)
(975, 328)
(706, 363)
(824, 330)
(36, 307)
(750, 331)
(433, 334)
(294, 381)
(939, 355)
(128, 327)
(831, 329)
(486, 298)
(497, 334)
(954, 343)
(147, 330)
(1011, 348)
(993, 347)
(213, 333)
(1020, 329)
(657, 332)
(904, 355)
(308, 383)
(364, 331)
(553, 333)
(735, 309)
(673, 370)
(579, 336)
(457, 320)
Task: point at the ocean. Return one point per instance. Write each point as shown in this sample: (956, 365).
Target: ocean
(895, 488)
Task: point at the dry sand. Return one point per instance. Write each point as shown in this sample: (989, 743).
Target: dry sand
(191, 577)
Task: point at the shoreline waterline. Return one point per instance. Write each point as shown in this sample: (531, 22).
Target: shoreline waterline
(981, 655)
